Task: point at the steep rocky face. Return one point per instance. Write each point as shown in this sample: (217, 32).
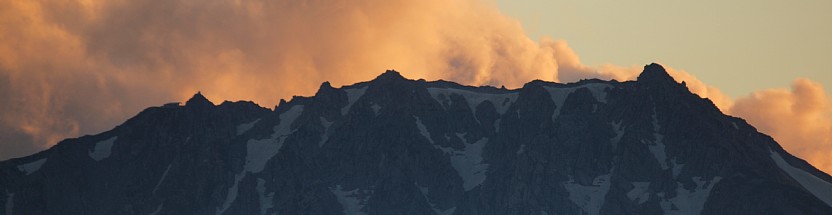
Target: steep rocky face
(399, 146)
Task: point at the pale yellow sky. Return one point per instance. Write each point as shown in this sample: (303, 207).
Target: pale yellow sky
(739, 46)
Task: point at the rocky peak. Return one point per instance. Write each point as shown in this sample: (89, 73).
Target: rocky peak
(390, 76)
(199, 101)
(655, 73)
(325, 88)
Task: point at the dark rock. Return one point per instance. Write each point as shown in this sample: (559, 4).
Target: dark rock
(398, 146)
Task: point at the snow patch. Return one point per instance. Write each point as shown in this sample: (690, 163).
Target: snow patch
(102, 149)
(242, 128)
(589, 198)
(158, 209)
(559, 97)
(619, 132)
(266, 202)
(258, 152)
(818, 187)
(639, 192)
(688, 201)
(352, 97)
(468, 162)
(521, 149)
(164, 175)
(598, 91)
(657, 147)
(436, 210)
(9, 203)
(232, 194)
(423, 190)
(422, 129)
(475, 98)
(31, 167)
(445, 212)
(352, 201)
(325, 135)
(375, 108)
(497, 126)
(677, 168)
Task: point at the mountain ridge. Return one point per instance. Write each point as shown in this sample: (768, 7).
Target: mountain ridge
(378, 146)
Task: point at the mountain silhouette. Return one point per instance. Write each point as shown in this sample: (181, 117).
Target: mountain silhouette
(398, 146)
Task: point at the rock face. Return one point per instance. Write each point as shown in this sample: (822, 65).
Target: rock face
(399, 146)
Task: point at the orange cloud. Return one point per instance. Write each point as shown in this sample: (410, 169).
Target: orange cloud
(800, 119)
(722, 101)
(79, 67)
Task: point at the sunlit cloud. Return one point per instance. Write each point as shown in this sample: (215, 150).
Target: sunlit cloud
(80, 67)
(800, 119)
(69, 68)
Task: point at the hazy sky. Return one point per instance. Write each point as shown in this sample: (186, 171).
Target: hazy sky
(721, 42)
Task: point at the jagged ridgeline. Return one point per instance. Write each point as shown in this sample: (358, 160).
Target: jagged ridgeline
(399, 146)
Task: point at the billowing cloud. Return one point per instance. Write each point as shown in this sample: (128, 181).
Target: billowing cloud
(79, 67)
(800, 119)
(570, 69)
(724, 102)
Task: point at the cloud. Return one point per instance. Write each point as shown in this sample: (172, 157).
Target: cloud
(80, 67)
(799, 119)
(722, 101)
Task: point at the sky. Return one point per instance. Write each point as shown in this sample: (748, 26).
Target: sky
(76, 67)
(721, 42)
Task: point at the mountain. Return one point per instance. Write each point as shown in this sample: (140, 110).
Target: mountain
(399, 146)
